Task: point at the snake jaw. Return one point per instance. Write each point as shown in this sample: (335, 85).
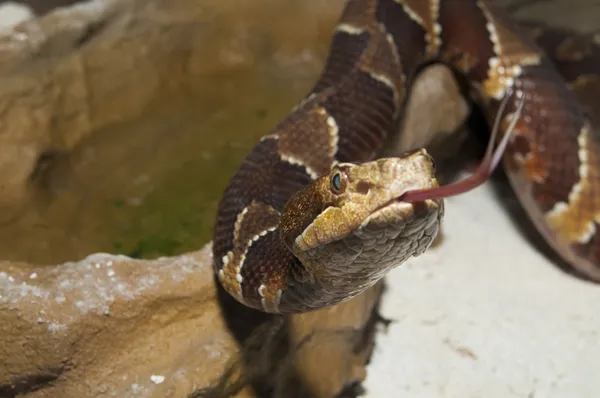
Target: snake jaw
(366, 230)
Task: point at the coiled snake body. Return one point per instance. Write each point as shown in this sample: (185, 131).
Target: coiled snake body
(312, 217)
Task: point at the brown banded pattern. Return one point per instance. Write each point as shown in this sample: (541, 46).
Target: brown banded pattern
(552, 160)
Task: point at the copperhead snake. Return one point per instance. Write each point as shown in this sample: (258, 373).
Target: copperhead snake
(313, 216)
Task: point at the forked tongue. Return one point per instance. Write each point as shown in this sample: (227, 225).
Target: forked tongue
(485, 169)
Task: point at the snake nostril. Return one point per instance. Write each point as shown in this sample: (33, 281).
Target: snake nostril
(363, 187)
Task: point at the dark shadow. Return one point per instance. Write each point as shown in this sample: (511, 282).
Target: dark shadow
(266, 360)
(28, 384)
(41, 7)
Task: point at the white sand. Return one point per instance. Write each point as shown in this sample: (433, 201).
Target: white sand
(486, 315)
(12, 14)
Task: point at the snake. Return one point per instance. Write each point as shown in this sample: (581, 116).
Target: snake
(315, 215)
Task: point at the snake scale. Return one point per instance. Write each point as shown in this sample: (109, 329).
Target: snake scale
(313, 216)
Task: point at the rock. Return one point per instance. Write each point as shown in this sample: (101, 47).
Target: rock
(80, 68)
(112, 325)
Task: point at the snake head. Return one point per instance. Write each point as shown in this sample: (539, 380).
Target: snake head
(355, 214)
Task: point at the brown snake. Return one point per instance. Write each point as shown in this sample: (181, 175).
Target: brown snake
(313, 217)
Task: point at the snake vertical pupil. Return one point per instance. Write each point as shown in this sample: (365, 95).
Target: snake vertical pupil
(336, 182)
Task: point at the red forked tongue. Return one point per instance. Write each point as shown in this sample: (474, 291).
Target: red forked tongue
(485, 169)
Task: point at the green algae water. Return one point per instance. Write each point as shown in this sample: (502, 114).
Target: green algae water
(150, 187)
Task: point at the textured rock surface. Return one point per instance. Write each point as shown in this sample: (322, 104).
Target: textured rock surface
(101, 102)
(115, 326)
(80, 68)
(112, 326)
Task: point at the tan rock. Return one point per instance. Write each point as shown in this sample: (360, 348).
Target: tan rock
(108, 324)
(111, 325)
(80, 68)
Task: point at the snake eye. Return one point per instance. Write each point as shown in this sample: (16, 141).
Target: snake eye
(338, 182)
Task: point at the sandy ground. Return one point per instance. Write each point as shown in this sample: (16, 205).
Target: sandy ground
(12, 13)
(486, 315)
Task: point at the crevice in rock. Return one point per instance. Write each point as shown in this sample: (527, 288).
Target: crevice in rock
(44, 163)
(353, 390)
(90, 32)
(28, 384)
(42, 7)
